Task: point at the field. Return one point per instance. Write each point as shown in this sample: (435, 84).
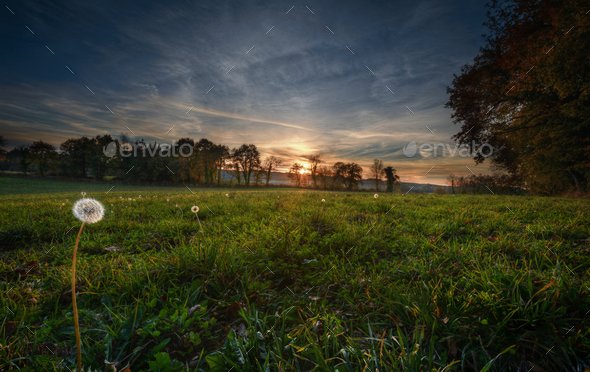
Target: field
(294, 280)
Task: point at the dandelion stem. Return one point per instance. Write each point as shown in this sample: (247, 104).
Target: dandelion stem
(199, 221)
(74, 304)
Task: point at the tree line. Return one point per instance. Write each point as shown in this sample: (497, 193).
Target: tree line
(486, 184)
(340, 175)
(187, 161)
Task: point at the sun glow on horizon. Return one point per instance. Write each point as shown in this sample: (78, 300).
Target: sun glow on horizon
(306, 168)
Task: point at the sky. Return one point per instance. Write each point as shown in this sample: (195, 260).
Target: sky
(350, 80)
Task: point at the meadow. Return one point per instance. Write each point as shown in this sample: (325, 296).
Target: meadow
(285, 280)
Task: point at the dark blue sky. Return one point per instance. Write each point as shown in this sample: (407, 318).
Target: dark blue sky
(353, 80)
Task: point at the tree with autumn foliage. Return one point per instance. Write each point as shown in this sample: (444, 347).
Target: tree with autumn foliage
(527, 93)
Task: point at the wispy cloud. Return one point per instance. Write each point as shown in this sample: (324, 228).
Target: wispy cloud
(296, 90)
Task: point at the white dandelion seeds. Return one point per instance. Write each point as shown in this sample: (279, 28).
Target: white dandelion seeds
(83, 194)
(376, 196)
(227, 195)
(323, 200)
(88, 210)
(195, 210)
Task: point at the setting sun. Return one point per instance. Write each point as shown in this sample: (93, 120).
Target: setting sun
(306, 168)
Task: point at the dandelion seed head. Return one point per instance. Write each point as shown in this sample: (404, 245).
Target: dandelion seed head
(88, 210)
(83, 194)
(227, 195)
(376, 196)
(323, 200)
(195, 209)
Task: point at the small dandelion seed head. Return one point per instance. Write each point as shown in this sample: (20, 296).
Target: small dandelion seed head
(195, 209)
(88, 210)
(323, 200)
(83, 194)
(376, 196)
(227, 195)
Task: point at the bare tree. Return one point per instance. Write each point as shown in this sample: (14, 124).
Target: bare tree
(270, 164)
(314, 162)
(259, 174)
(295, 173)
(377, 172)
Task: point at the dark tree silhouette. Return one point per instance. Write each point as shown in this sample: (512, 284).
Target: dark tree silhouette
(184, 148)
(325, 176)
(42, 153)
(205, 161)
(2, 144)
(314, 161)
(295, 173)
(453, 180)
(392, 177)
(248, 159)
(527, 93)
(270, 164)
(377, 172)
(22, 157)
(222, 155)
(347, 174)
(98, 159)
(75, 154)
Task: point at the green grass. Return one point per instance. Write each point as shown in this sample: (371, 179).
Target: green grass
(280, 280)
(23, 185)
